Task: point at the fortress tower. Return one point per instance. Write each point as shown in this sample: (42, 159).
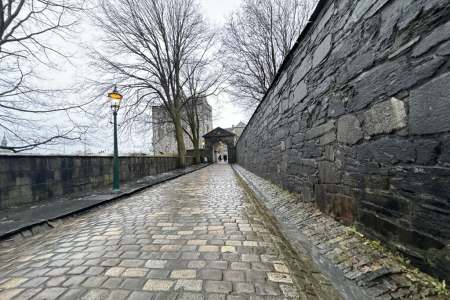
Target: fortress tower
(164, 141)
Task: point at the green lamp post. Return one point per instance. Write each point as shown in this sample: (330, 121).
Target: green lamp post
(115, 98)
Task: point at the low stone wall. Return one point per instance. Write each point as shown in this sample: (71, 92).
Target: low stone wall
(28, 179)
(358, 121)
(203, 154)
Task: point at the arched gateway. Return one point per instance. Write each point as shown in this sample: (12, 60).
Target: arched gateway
(220, 142)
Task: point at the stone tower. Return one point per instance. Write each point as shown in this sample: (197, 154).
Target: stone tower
(164, 141)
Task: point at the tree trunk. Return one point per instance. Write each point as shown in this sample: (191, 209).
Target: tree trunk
(196, 143)
(180, 141)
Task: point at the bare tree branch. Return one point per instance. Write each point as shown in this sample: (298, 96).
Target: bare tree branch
(255, 42)
(27, 28)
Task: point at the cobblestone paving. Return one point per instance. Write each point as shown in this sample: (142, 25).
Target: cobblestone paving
(196, 237)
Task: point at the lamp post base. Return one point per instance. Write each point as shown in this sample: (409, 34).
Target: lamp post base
(116, 191)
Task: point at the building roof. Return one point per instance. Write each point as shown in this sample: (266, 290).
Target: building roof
(218, 132)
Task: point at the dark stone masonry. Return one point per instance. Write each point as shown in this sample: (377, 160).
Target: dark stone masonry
(29, 179)
(358, 121)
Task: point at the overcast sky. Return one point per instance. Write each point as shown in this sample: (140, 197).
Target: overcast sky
(225, 113)
(99, 137)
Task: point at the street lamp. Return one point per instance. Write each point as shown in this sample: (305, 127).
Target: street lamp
(115, 98)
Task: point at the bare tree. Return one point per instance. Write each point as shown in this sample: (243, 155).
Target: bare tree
(203, 80)
(153, 42)
(256, 40)
(27, 28)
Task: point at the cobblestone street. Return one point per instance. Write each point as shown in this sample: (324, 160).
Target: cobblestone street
(196, 237)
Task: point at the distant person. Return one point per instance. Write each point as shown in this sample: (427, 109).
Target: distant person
(220, 157)
(225, 157)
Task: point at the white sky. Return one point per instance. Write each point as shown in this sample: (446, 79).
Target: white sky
(217, 10)
(225, 113)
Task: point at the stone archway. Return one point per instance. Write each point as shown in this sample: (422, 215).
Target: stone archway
(220, 151)
(220, 136)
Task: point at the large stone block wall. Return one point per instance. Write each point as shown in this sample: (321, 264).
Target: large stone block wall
(358, 121)
(28, 179)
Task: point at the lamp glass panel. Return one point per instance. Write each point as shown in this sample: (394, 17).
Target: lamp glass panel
(115, 102)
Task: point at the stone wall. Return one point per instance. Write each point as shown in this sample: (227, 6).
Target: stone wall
(28, 179)
(358, 121)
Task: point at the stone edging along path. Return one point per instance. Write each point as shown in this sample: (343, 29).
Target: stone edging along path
(38, 219)
(357, 267)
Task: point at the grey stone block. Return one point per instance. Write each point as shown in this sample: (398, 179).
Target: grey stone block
(300, 92)
(361, 8)
(385, 117)
(328, 138)
(375, 8)
(348, 130)
(322, 51)
(387, 150)
(389, 79)
(444, 49)
(311, 149)
(280, 84)
(328, 172)
(445, 150)
(336, 107)
(439, 34)
(430, 107)
(426, 151)
(303, 69)
(319, 130)
(325, 18)
(222, 287)
(404, 47)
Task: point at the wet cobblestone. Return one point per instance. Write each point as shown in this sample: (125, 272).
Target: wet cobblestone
(196, 237)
